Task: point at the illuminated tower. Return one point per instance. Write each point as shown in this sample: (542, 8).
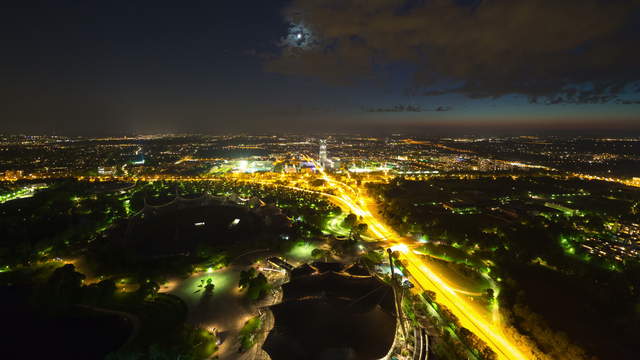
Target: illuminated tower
(322, 158)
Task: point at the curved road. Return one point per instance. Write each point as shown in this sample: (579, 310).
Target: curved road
(424, 277)
(469, 317)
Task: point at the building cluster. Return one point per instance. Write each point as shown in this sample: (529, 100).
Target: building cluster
(26, 157)
(617, 248)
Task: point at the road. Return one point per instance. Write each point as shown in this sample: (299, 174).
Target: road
(423, 276)
(356, 202)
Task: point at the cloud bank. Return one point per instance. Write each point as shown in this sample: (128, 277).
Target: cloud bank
(406, 108)
(551, 51)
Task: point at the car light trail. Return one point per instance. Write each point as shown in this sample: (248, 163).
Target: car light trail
(468, 316)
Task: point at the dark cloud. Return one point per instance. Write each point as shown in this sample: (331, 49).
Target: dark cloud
(396, 109)
(551, 51)
(264, 55)
(405, 108)
(434, 92)
(628, 102)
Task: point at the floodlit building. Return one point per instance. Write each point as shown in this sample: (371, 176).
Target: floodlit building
(13, 174)
(106, 170)
(138, 159)
(322, 156)
(324, 161)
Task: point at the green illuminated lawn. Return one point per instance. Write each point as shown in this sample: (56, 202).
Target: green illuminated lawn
(192, 288)
(301, 251)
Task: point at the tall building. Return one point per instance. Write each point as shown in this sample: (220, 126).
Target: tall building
(322, 158)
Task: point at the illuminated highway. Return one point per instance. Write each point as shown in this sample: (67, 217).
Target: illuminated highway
(423, 276)
(634, 182)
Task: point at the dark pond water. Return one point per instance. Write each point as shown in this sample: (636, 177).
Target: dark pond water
(81, 334)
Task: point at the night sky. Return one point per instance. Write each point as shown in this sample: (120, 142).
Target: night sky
(123, 67)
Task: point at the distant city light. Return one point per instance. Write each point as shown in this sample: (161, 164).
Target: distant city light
(243, 165)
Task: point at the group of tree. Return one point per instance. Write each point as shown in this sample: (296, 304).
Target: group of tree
(65, 289)
(524, 249)
(186, 343)
(55, 222)
(59, 296)
(356, 229)
(481, 348)
(254, 282)
(373, 257)
(322, 254)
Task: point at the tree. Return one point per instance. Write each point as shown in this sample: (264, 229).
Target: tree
(485, 352)
(350, 221)
(99, 293)
(361, 228)
(372, 258)
(489, 294)
(258, 287)
(429, 295)
(449, 316)
(147, 290)
(255, 282)
(245, 277)
(321, 254)
(209, 287)
(64, 286)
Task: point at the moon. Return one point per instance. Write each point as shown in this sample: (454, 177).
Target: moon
(298, 37)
